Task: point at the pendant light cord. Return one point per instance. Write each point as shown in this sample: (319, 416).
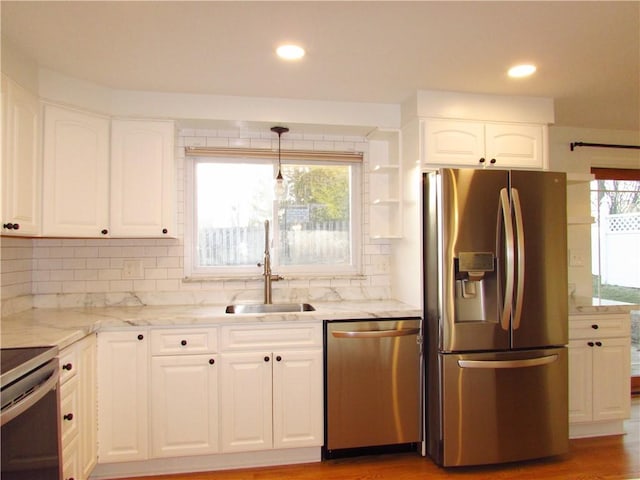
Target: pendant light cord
(279, 131)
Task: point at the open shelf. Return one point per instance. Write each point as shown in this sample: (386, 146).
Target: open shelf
(385, 181)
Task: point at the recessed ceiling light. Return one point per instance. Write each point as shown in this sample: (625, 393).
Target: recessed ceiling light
(520, 71)
(290, 52)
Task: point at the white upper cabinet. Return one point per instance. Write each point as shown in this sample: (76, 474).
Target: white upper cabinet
(142, 179)
(449, 142)
(518, 146)
(21, 163)
(483, 145)
(76, 173)
(107, 179)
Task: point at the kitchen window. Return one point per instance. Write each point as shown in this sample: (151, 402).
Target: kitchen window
(314, 224)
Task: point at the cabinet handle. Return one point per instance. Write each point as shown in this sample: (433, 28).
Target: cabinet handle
(595, 326)
(278, 358)
(67, 366)
(598, 344)
(590, 344)
(11, 226)
(492, 161)
(140, 337)
(68, 416)
(104, 231)
(183, 342)
(165, 231)
(266, 358)
(482, 160)
(212, 361)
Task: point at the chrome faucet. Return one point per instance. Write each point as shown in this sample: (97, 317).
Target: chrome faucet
(266, 264)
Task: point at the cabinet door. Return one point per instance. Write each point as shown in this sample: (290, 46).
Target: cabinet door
(76, 173)
(611, 365)
(297, 399)
(184, 405)
(142, 179)
(87, 409)
(454, 143)
(122, 396)
(245, 401)
(514, 146)
(21, 166)
(580, 381)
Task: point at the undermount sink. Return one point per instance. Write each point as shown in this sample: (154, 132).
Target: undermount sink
(270, 308)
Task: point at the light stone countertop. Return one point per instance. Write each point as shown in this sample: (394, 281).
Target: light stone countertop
(591, 306)
(62, 327)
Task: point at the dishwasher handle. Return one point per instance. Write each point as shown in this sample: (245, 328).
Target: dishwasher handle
(403, 332)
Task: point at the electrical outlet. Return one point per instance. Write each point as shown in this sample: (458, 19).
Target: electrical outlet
(576, 258)
(132, 269)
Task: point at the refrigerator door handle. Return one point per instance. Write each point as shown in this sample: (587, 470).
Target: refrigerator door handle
(505, 205)
(520, 248)
(494, 364)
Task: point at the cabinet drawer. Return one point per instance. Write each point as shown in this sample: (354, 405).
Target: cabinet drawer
(68, 363)
(184, 341)
(71, 461)
(599, 326)
(69, 410)
(247, 337)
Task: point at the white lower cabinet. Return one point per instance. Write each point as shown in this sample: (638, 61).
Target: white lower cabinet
(297, 399)
(599, 374)
(78, 409)
(246, 399)
(271, 391)
(123, 391)
(219, 397)
(271, 400)
(184, 393)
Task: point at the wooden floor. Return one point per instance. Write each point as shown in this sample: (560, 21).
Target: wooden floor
(614, 457)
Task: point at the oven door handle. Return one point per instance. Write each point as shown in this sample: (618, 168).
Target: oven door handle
(34, 397)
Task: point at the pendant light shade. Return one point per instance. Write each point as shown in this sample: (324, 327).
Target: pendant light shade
(279, 180)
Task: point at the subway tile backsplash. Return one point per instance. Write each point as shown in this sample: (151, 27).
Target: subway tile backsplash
(51, 272)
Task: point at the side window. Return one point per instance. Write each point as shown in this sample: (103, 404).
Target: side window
(615, 235)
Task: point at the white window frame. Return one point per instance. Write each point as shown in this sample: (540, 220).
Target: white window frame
(298, 271)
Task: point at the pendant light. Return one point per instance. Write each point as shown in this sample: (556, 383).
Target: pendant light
(279, 179)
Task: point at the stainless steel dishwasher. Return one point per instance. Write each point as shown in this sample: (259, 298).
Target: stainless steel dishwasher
(372, 386)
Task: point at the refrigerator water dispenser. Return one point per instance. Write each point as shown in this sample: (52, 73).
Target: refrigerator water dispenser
(471, 286)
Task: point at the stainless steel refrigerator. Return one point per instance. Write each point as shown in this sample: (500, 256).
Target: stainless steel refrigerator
(495, 300)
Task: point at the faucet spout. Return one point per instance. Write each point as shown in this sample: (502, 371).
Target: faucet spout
(266, 264)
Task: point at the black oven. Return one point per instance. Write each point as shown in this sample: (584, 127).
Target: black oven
(29, 418)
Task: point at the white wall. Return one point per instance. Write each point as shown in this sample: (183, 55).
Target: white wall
(59, 88)
(18, 66)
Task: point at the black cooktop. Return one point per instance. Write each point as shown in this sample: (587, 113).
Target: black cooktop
(16, 362)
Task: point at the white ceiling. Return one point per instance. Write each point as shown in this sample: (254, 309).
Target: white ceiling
(588, 53)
